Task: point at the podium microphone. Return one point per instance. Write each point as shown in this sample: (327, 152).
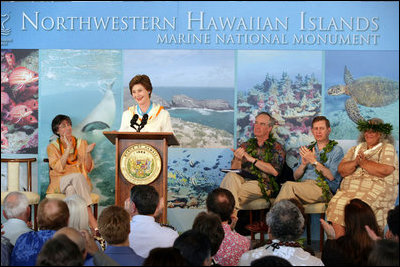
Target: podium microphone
(134, 120)
(144, 122)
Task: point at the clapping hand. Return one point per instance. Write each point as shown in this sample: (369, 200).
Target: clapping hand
(372, 234)
(328, 228)
(67, 142)
(360, 158)
(307, 156)
(90, 147)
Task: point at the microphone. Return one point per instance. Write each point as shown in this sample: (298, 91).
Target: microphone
(134, 120)
(144, 122)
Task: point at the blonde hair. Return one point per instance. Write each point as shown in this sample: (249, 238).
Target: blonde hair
(78, 214)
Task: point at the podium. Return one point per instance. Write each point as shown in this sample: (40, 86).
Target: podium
(124, 141)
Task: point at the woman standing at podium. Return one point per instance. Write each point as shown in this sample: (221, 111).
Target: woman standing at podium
(145, 116)
(70, 162)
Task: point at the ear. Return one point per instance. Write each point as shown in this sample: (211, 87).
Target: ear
(5, 216)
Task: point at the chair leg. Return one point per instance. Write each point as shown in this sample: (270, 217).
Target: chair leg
(308, 219)
(252, 237)
(321, 234)
(95, 206)
(262, 218)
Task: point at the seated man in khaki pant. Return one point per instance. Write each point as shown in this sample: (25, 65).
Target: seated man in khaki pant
(262, 157)
(317, 170)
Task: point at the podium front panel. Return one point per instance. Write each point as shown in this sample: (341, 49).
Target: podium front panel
(123, 186)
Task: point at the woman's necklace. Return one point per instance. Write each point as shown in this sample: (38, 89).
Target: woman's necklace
(276, 245)
(75, 154)
(321, 180)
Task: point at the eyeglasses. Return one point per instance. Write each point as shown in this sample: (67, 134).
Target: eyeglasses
(64, 125)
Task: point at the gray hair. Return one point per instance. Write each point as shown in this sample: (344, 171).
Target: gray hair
(285, 221)
(385, 138)
(272, 121)
(78, 213)
(15, 204)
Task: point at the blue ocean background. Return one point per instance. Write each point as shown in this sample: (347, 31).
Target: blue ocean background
(73, 82)
(215, 119)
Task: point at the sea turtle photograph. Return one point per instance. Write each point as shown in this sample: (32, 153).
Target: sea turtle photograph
(359, 86)
(369, 91)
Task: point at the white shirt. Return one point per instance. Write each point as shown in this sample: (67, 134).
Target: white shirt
(295, 255)
(13, 228)
(159, 120)
(147, 234)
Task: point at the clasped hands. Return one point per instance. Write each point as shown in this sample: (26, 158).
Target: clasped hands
(240, 153)
(360, 158)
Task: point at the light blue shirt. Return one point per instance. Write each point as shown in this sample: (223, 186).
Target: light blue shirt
(334, 158)
(13, 228)
(147, 234)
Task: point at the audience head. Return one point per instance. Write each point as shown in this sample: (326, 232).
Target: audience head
(210, 224)
(164, 257)
(145, 198)
(270, 261)
(78, 213)
(384, 253)
(194, 247)
(285, 221)
(53, 214)
(357, 214)
(16, 205)
(60, 251)
(114, 225)
(393, 224)
(75, 236)
(221, 202)
(57, 121)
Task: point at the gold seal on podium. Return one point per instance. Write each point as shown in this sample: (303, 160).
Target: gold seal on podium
(140, 164)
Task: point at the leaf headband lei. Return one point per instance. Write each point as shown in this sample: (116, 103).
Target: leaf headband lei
(364, 126)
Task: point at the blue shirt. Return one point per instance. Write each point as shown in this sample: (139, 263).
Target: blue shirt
(334, 158)
(122, 255)
(28, 246)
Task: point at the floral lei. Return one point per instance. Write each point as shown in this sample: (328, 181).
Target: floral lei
(321, 180)
(266, 156)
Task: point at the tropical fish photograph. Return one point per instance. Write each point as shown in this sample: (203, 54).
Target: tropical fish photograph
(19, 101)
(191, 175)
(361, 85)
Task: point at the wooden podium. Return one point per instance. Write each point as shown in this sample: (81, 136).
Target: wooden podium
(159, 141)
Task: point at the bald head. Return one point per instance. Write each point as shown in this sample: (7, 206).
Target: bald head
(74, 235)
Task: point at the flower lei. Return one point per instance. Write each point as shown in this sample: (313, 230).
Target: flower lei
(321, 180)
(266, 156)
(73, 161)
(385, 128)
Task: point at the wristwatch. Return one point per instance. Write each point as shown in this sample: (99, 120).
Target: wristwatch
(315, 163)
